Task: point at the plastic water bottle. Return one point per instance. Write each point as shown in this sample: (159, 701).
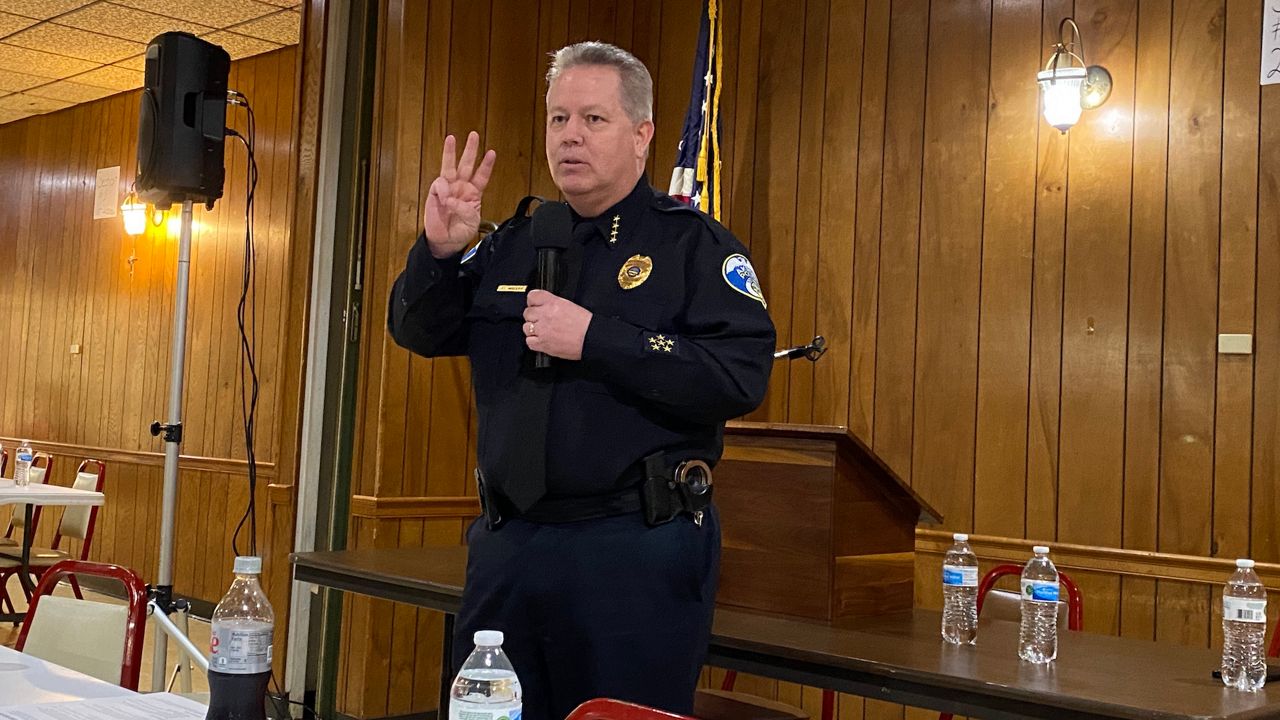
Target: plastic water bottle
(487, 687)
(1244, 630)
(960, 593)
(1038, 639)
(240, 647)
(22, 464)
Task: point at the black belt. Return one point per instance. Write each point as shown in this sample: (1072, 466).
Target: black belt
(592, 507)
(662, 492)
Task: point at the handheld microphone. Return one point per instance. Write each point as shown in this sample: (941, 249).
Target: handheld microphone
(552, 230)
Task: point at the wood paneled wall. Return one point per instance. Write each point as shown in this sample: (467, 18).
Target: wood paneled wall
(68, 281)
(1022, 323)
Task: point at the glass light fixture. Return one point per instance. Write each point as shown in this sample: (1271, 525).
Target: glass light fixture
(134, 213)
(1068, 84)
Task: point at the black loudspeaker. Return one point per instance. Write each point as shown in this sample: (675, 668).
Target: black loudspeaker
(182, 120)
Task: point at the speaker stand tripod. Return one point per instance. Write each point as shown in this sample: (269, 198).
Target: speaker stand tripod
(162, 603)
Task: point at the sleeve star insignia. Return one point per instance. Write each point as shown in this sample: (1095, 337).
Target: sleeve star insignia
(659, 343)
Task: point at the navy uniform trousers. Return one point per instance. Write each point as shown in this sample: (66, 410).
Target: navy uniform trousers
(595, 608)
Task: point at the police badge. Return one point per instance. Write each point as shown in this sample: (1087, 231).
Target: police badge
(635, 271)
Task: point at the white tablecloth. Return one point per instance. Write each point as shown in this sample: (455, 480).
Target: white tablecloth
(25, 680)
(45, 494)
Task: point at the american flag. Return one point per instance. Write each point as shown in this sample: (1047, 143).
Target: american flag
(696, 177)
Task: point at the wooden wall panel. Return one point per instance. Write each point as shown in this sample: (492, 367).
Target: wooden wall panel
(69, 282)
(1022, 323)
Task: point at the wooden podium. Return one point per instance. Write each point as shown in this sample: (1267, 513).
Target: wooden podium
(815, 525)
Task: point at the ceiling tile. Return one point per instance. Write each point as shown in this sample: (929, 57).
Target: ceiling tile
(30, 104)
(112, 77)
(10, 23)
(69, 91)
(8, 116)
(281, 27)
(138, 62)
(240, 46)
(41, 63)
(213, 14)
(76, 43)
(41, 9)
(125, 22)
(15, 81)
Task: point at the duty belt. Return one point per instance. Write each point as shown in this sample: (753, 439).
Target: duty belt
(662, 491)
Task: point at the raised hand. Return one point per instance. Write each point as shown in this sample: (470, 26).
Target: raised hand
(451, 218)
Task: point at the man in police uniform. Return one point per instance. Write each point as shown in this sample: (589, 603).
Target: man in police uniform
(599, 551)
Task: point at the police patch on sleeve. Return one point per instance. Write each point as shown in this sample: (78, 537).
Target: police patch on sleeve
(472, 252)
(742, 277)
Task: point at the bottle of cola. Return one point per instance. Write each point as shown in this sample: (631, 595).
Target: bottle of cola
(240, 648)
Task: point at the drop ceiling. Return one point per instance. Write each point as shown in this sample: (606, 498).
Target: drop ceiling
(59, 53)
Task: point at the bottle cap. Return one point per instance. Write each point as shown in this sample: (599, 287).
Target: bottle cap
(248, 565)
(488, 638)
(960, 537)
(1244, 563)
(1040, 549)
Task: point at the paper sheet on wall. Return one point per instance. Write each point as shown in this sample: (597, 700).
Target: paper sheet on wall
(160, 706)
(106, 193)
(1271, 42)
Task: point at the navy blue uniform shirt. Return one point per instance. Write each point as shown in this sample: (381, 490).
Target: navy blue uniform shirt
(679, 342)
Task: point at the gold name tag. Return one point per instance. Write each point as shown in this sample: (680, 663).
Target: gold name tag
(512, 288)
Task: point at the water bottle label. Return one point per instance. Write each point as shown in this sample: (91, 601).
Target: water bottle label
(1244, 610)
(957, 575)
(457, 711)
(1040, 590)
(239, 651)
(25, 457)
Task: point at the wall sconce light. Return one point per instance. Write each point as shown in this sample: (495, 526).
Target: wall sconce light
(134, 213)
(1066, 88)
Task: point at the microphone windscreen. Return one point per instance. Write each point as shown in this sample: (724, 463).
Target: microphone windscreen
(552, 225)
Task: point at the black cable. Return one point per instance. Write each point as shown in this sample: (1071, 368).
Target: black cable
(248, 331)
(279, 697)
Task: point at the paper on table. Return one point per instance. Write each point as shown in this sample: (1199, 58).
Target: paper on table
(160, 706)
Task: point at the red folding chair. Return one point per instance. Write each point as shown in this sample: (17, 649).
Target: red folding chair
(58, 628)
(78, 522)
(1075, 601)
(605, 709)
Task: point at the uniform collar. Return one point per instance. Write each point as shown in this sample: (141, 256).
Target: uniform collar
(619, 223)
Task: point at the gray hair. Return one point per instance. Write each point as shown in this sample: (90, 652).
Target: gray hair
(636, 85)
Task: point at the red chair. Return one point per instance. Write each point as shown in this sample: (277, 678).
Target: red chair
(78, 521)
(604, 709)
(47, 632)
(1075, 601)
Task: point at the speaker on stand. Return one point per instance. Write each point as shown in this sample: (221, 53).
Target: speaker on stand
(181, 133)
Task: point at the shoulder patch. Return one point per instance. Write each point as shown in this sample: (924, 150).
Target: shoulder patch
(740, 276)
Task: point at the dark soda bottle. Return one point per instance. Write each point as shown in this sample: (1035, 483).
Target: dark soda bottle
(240, 648)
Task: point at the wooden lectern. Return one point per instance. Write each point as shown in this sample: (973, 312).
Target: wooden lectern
(815, 525)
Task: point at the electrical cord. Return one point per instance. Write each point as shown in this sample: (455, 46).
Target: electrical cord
(248, 328)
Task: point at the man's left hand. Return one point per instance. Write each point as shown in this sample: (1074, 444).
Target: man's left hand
(555, 326)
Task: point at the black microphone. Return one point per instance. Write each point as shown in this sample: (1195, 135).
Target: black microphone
(552, 231)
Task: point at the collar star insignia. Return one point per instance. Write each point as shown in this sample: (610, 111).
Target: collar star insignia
(613, 234)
